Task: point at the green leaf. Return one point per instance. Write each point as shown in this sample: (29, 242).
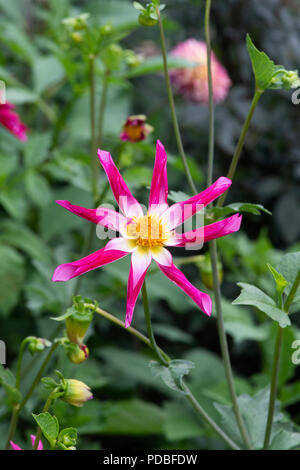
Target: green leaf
(172, 375)
(285, 439)
(12, 274)
(289, 266)
(155, 64)
(47, 71)
(249, 207)
(36, 149)
(20, 96)
(8, 382)
(263, 66)
(279, 279)
(49, 426)
(190, 426)
(37, 188)
(251, 295)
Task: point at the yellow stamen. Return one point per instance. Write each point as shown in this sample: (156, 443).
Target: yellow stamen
(148, 231)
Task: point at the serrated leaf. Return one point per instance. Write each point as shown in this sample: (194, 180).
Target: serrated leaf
(252, 295)
(172, 374)
(49, 426)
(263, 66)
(249, 207)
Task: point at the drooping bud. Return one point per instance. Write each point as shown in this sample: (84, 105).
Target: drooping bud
(78, 320)
(77, 354)
(135, 129)
(76, 392)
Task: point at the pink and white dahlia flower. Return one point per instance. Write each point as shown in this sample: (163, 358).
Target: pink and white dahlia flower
(146, 236)
(192, 82)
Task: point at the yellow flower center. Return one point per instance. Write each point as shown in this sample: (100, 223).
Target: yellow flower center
(199, 72)
(134, 131)
(147, 231)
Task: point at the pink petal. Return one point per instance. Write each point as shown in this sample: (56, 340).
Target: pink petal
(200, 298)
(138, 269)
(182, 211)
(40, 444)
(65, 272)
(12, 122)
(127, 203)
(159, 185)
(103, 216)
(208, 232)
(14, 446)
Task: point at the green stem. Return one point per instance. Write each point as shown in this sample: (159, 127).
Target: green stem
(172, 105)
(103, 100)
(211, 135)
(20, 359)
(213, 244)
(38, 434)
(240, 144)
(19, 407)
(95, 164)
(224, 344)
(276, 362)
(188, 393)
(149, 326)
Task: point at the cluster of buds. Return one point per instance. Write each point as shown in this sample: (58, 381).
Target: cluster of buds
(285, 79)
(75, 26)
(37, 345)
(77, 320)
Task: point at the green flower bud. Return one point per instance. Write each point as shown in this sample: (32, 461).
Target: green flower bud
(77, 354)
(76, 392)
(112, 56)
(146, 20)
(37, 345)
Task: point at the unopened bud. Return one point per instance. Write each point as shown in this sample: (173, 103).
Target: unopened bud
(76, 392)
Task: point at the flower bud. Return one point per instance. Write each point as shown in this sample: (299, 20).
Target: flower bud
(206, 272)
(76, 392)
(135, 129)
(77, 323)
(77, 354)
(38, 344)
(146, 20)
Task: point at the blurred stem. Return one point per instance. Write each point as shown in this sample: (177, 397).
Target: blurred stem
(18, 407)
(187, 392)
(211, 135)
(213, 244)
(102, 108)
(276, 362)
(95, 166)
(19, 364)
(162, 359)
(38, 434)
(240, 144)
(172, 105)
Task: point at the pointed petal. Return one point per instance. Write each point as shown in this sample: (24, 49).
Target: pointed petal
(40, 444)
(65, 272)
(200, 298)
(159, 185)
(127, 203)
(140, 263)
(162, 256)
(103, 216)
(14, 446)
(208, 232)
(182, 211)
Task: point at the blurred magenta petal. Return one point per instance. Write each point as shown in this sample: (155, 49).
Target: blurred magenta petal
(40, 444)
(209, 232)
(140, 263)
(12, 122)
(158, 198)
(106, 217)
(192, 82)
(200, 298)
(65, 272)
(127, 203)
(14, 446)
(181, 211)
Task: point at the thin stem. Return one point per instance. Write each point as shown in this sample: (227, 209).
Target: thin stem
(224, 344)
(276, 362)
(172, 106)
(274, 384)
(103, 100)
(19, 407)
(19, 364)
(213, 244)
(188, 393)
(149, 326)
(240, 144)
(95, 166)
(38, 434)
(211, 136)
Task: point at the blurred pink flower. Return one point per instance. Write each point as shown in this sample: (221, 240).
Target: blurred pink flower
(12, 122)
(146, 236)
(32, 437)
(192, 82)
(135, 129)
